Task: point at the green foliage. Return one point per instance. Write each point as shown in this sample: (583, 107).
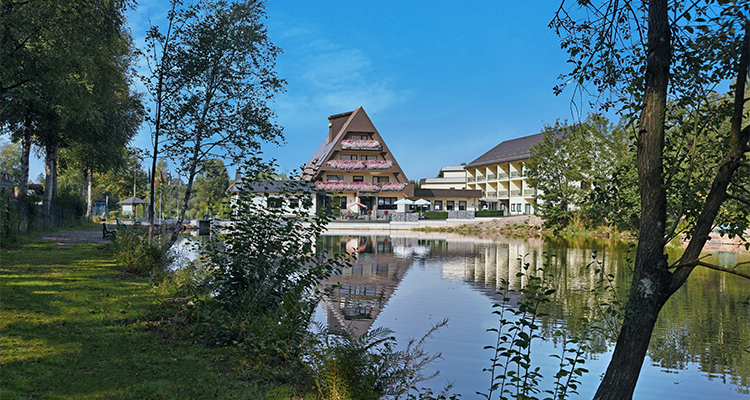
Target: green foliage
(10, 158)
(136, 254)
(488, 213)
(436, 214)
(571, 160)
(265, 272)
(347, 366)
(512, 372)
(8, 213)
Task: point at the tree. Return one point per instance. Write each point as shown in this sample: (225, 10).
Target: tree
(569, 161)
(57, 60)
(212, 183)
(10, 159)
(222, 79)
(643, 54)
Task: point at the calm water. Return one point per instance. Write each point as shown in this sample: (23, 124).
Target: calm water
(409, 281)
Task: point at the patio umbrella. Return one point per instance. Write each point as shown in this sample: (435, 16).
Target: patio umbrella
(359, 205)
(404, 201)
(421, 202)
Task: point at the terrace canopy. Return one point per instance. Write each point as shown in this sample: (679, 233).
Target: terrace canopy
(129, 205)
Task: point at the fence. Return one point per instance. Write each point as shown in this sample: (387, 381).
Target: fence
(21, 217)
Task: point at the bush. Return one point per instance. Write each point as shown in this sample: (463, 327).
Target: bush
(436, 214)
(488, 213)
(137, 254)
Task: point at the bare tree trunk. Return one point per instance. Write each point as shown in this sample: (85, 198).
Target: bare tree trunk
(87, 185)
(186, 198)
(648, 291)
(50, 167)
(23, 183)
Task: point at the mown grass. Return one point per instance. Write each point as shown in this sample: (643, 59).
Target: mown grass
(75, 327)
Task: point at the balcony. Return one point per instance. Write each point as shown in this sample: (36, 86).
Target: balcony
(354, 165)
(491, 177)
(480, 179)
(340, 187)
(491, 195)
(516, 174)
(472, 179)
(529, 193)
(350, 144)
(516, 193)
(502, 194)
(502, 176)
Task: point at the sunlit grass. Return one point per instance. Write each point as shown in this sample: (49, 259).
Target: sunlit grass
(73, 326)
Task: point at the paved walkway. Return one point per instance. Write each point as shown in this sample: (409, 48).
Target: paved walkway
(89, 235)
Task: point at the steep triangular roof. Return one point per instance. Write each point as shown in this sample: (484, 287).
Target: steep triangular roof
(339, 126)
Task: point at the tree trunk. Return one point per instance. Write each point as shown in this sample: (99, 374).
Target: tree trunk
(23, 183)
(87, 186)
(50, 167)
(186, 198)
(651, 278)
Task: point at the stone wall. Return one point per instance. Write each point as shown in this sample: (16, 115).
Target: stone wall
(404, 217)
(460, 214)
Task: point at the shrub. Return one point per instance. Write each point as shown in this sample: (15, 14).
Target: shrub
(137, 254)
(488, 213)
(436, 214)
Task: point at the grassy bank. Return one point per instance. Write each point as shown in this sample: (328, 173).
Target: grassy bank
(75, 327)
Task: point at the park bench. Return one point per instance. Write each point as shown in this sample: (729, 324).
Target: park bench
(111, 233)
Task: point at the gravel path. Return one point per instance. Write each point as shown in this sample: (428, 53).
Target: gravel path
(90, 235)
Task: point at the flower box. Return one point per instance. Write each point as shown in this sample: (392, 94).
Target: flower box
(360, 144)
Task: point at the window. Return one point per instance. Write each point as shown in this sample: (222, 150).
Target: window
(294, 203)
(528, 209)
(358, 178)
(380, 179)
(386, 203)
(360, 137)
(343, 203)
(369, 158)
(450, 205)
(348, 157)
(513, 207)
(335, 178)
(438, 205)
(275, 202)
(462, 205)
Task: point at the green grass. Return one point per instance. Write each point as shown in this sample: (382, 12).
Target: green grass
(72, 326)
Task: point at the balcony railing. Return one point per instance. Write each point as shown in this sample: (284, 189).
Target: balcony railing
(480, 179)
(502, 194)
(529, 193)
(360, 145)
(502, 176)
(491, 177)
(516, 193)
(354, 165)
(472, 179)
(339, 187)
(490, 195)
(516, 174)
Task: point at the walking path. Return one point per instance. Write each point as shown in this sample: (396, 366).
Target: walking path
(88, 235)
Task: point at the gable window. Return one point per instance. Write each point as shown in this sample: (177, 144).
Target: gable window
(348, 157)
(438, 205)
(357, 136)
(380, 179)
(358, 178)
(368, 158)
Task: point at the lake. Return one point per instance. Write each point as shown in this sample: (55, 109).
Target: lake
(408, 281)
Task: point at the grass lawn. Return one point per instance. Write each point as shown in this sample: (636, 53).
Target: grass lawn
(72, 326)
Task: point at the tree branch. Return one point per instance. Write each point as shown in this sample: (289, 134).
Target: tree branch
(740, 199)
(732, 271)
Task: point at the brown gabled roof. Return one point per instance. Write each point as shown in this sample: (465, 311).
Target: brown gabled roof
(339, 126)
(507, 151)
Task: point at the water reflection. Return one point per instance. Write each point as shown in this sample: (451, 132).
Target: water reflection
(405, 281)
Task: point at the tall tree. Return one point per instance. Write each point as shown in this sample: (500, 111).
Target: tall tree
(224, 79)
(643, 54)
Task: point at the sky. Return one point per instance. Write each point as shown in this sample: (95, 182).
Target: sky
(442, 81)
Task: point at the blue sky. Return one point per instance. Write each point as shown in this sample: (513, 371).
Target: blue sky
(443, 81)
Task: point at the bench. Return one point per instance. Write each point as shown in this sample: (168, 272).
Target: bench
(111, 233)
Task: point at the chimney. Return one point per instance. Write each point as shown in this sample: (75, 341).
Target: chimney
(237, 176)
